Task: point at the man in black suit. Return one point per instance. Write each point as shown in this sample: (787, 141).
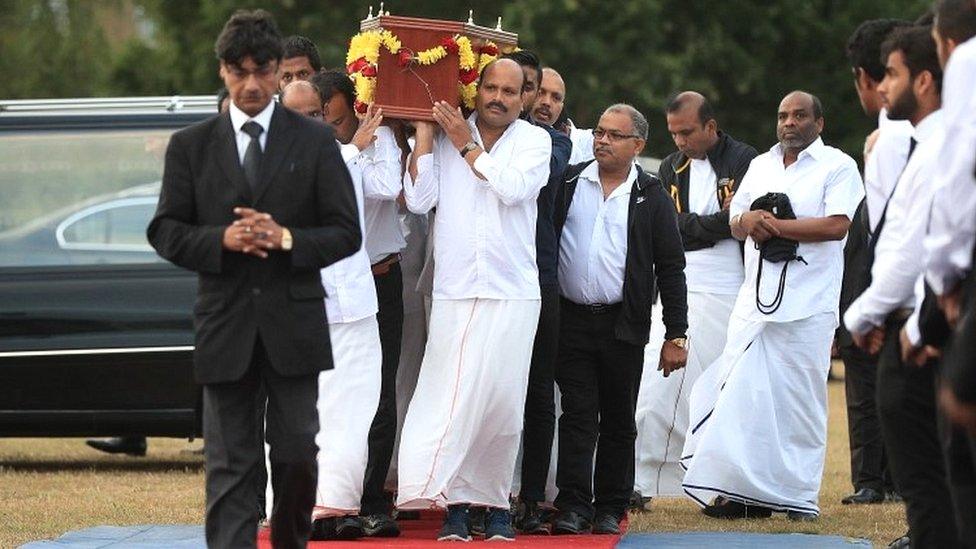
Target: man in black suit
(257, 201)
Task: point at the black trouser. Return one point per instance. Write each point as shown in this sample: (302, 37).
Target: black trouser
(868, 461)
(598, 377)
(959, 449)
(382, 433)
(906, 406)
(540, 406)
(233, 450)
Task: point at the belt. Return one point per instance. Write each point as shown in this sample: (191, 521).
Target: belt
(384, 265)
(592, 309)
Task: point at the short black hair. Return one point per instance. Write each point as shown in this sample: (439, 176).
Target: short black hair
(222, 94)
(299, 46)
(956, 19)
(332, 81)
(864, 46)
(526, 58)
(249, 34)
(676, 103)
(918, 48)
(818, 110)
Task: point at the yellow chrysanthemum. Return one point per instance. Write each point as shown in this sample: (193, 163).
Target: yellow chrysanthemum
(390, 42)
(484, 60)
(468, 93)
(365, 86)
(431, 56)
(465, 53)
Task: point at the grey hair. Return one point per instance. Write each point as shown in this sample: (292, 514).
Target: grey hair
(640, 122)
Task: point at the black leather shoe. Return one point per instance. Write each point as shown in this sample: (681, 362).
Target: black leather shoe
(130, 446)
(570, 523)
(530, 520)
(380, 526)
(892, 496)
(606, 524)
(638, 502)
(728, 509)
(903, 542)
(864, 496)
(349, 527)
(324, 529)
(801, 516)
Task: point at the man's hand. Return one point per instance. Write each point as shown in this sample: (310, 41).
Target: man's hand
(453, 123)
(366, 133)
(951, 303)
(253, 234)
(916, 356)
(870, 341)
(672, 358)
(759, 224)
(960, 413)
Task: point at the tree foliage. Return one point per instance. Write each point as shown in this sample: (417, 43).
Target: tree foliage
(744, 54)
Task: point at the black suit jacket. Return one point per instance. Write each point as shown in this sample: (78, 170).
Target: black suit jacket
(305, 186)
(654, 254)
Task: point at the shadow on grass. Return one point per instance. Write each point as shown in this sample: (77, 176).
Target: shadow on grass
(93, 465)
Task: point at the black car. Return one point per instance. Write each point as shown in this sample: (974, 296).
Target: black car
(96, 333)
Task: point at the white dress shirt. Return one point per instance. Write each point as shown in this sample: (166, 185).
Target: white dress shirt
(349, 288)
(717, 269)
(949, 245)
(822, 182)
(237, 120)
(900, 245)
(593, 244)
(582, 145)
(885, 164)
(484, 230)
(382, 165)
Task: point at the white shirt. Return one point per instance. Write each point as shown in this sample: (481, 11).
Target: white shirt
(899, 247)
(822, 182)
(349, 288)
(949, 244)
(484, 230)
(593, 244)
(237, 120)
(582, 145)
(885, 164)
(718, 269)
(382, 167)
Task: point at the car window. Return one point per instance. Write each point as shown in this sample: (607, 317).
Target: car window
(79, 197)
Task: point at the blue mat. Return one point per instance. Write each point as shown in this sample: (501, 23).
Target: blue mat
(738, 540)
(145, 536)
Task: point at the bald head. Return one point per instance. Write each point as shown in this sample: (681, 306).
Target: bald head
(550, 101)
(507, 67)
(691, 102)
(302, 97)
(691, 123)
(806, 98)
(799, 121)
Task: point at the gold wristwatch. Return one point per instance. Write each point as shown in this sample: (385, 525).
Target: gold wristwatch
(680, 342)
(286, 241)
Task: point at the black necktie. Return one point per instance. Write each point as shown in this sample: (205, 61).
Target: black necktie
(911, 147)
(252, 156)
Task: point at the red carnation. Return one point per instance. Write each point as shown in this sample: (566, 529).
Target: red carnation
(361, 107)
(467, 76)
(357, 65)
(489, 49)
(404, 58)
(369, 70)
(450, 44)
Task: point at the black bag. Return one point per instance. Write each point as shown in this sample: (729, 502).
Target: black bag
(777, 249)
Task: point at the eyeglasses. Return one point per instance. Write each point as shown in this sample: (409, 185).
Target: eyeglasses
(612, 136)
(264, 71)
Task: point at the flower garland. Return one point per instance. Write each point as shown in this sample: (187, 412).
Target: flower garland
(364, 53)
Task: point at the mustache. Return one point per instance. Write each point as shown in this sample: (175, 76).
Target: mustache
(603, 148)
(497, 105)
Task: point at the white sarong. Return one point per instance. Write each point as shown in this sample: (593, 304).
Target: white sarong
(662, 404)
(348, 397)
(758, 429)
(464, 424)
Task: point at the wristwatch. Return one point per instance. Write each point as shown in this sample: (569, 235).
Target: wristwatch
(680, 342)
(286, 241)
(468, 147)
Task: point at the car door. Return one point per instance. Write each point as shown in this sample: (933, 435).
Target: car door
(95, 329)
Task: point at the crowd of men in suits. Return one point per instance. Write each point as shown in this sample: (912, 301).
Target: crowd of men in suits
(500, 314)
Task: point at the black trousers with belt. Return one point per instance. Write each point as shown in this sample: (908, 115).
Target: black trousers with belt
(868, 462)
(540, 406)
(598, 377)
(234, 451)
(382, 432)
(907, 408)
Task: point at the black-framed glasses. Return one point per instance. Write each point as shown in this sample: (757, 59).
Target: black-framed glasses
(613, 136)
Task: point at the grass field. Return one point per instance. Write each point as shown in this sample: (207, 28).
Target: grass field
(49, 486)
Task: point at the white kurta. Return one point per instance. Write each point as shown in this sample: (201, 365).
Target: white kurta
(758, 421)
(662, 403)
(462, 431)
